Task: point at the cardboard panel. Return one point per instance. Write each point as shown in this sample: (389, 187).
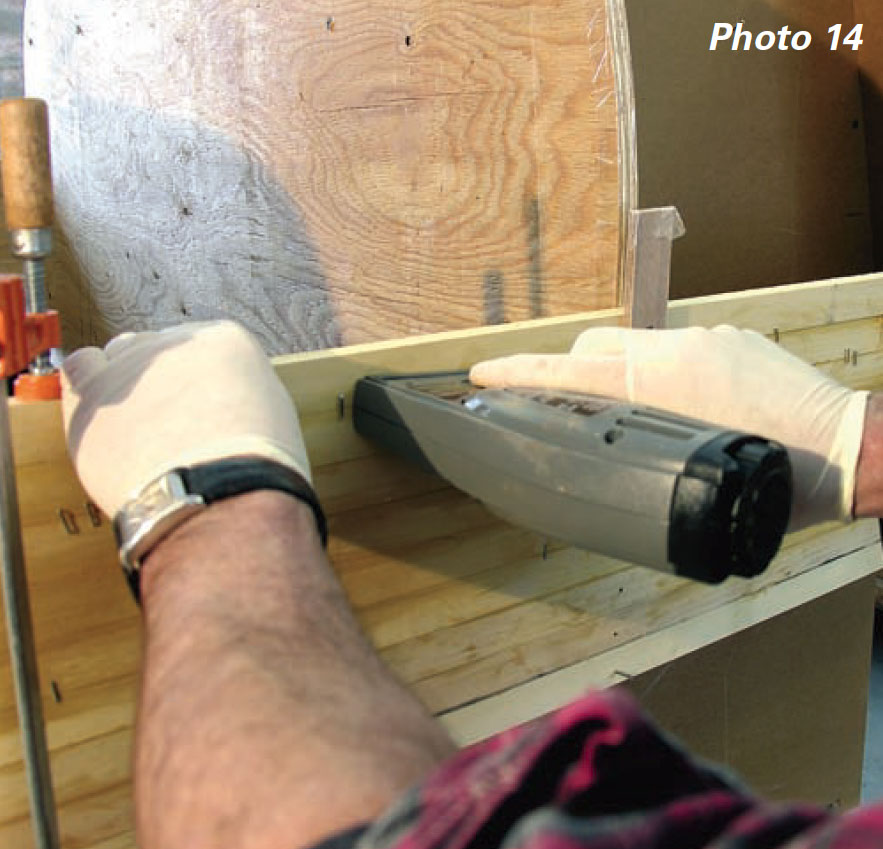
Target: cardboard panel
(783, 704)
(763, 153)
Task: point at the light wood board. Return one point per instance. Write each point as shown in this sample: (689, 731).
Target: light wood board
(464, 607)
(330, 174)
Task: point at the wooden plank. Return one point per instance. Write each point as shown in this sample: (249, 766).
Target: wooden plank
(365, 172)
(105, 705)
(100, 821)
(539, 696)
(792, 307)
(486, 657)
(315, 379)
(578, 585)
(829, 344)
(84, 769)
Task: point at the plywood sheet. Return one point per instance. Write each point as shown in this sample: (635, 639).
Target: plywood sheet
(331, 173)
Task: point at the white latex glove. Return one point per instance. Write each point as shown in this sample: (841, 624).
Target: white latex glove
(150, 402)
(734, 378)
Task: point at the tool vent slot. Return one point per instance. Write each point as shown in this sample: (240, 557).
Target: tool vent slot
(660, 425)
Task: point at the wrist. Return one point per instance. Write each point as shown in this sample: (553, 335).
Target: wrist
(869, 469)
(205, 546)
(176, 497)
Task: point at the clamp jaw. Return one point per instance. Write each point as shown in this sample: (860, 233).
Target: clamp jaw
(23, 336)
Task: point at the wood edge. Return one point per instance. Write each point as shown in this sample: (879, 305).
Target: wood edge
(833, 300)
(627, 136)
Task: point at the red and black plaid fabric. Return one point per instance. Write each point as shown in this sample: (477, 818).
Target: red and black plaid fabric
(597, 774)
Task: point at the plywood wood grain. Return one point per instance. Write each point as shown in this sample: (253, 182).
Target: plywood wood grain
(330, 174)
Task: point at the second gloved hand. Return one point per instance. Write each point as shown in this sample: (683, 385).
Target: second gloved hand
(151, 402)
(733, 378)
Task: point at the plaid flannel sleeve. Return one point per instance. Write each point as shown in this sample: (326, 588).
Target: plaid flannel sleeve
(597, 774)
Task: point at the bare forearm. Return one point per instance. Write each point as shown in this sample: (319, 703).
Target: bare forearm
(266, 719)
(869, 473)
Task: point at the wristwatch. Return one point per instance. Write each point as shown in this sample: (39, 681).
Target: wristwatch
(172, 498)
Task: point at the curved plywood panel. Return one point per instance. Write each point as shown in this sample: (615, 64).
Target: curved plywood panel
(333, 173)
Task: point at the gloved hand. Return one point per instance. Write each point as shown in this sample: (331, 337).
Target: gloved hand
(729, 377)
(150, 402)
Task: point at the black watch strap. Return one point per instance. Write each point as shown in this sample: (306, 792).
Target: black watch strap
(173, 497)
(238, 475)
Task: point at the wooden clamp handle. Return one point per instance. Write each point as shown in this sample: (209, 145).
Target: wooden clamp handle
(24, 163)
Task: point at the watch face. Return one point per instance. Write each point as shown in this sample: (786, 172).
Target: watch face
(159, 508)
(155, 498)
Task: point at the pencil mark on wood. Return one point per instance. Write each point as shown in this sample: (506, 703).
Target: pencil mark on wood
(494, 308)
(535, 252)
